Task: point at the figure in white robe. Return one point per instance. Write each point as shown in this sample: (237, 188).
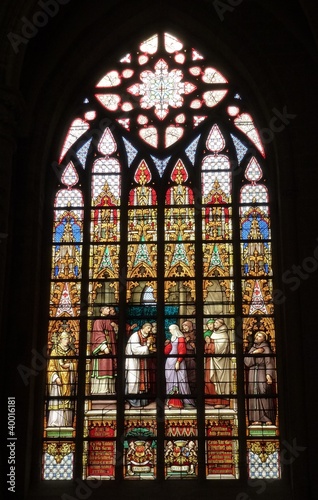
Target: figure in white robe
(219, 362)
(61, 381)
(137, 377)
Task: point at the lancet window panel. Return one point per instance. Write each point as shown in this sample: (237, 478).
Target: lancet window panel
(67, 233)
(65, 301)
(58, 460)
(104, 261)
(181, 447)
(218, 297)
(139, 448)
(105, 225)
(218, 259)
(100, 450)
(222, 457)
(162, 279)
(69, 222)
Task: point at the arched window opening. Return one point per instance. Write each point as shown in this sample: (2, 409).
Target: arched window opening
(161, 331)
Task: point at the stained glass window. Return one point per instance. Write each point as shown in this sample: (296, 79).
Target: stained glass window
(161, 330)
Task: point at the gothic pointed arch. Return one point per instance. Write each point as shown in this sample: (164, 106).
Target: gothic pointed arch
(162, 245)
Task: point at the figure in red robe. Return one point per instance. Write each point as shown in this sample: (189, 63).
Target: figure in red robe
(103, 345)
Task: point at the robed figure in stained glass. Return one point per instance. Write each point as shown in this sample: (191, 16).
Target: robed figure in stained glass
(261, 374)
(176, 370)
(217, 366)
(103, 345)
(209, 387)
(137, 374)
(61, 380)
